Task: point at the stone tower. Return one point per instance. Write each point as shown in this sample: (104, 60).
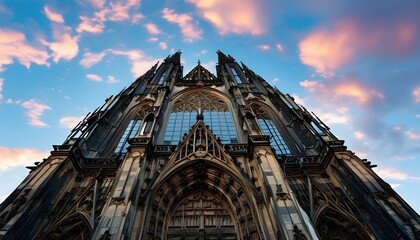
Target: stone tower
(204, 156)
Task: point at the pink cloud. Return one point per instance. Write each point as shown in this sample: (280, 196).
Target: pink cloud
(190, 31)
(153, 39)
(70, 121)
(313, 86)
(140, 62)
(136, 17)
(94, 77)
(53, 16)
(416, 95)
(346, 88)
(119, 11)
(356, 91)
(327, 50)
(152, 28)
(14, 45)
(1, 87)
(264, 47)
(359, 135)
(238, 16)
(96, 3)
(91, 25)
(412, 134)
(111, 79)
(393, 173)
(64, 46)
(35, 111)
(14, 157)
(163, 45)
(90, 59)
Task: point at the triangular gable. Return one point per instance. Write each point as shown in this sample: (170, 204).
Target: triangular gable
(199, 73)
(199, 143)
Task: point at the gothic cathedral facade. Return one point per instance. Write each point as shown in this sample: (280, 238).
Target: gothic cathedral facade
(204, 156)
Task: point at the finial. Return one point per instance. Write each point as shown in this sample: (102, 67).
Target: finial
(199, 62)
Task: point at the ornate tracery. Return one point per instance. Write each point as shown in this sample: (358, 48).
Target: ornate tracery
(214, 112)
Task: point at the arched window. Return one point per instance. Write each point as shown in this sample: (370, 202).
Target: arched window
(163, 76)
(129, 132)
(235, 75)
(215, 112)
(140, 125)
(269, 128)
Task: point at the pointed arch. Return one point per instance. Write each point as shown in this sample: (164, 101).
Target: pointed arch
(270, 125)
(333, 224)
(74, 227)
(210, 106)
(208, 177)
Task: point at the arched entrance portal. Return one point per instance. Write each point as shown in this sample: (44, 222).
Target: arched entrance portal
(203, 199)
(201, 215)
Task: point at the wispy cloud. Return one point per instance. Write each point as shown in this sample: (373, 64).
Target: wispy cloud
(211, 66)
(141, 63)
(111, 79)
(279, 47)
(116, 11)
(190, 31)
(152, 28)
(153, 39)
(70, 121)
(1, 87)
(64, 45)
(94, 77)
(163, 45)
(334, 117)
(16, 157)
(413, 134)
(91, 25)
(238, 16)
(96, 3)
(332, 47)
(35, 111)
(264, 47)
(52, 15)
(14, 45)
(416, 95)
(204, 51)
(359, 135)
(119, 11)
(342, 89)
(89, 59)
(393, 173)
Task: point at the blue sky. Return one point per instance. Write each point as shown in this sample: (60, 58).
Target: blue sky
(355, 64)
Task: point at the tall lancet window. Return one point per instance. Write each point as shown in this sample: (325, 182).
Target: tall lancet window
(269, 128)
(140, 125)
(215, 113)
(235, 75)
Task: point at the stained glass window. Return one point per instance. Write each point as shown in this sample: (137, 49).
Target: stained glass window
(129, 132)
(269, 128)
(216, 116)
(235, 75)
(163, 77)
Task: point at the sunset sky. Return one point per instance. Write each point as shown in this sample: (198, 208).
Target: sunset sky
(355, 64)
